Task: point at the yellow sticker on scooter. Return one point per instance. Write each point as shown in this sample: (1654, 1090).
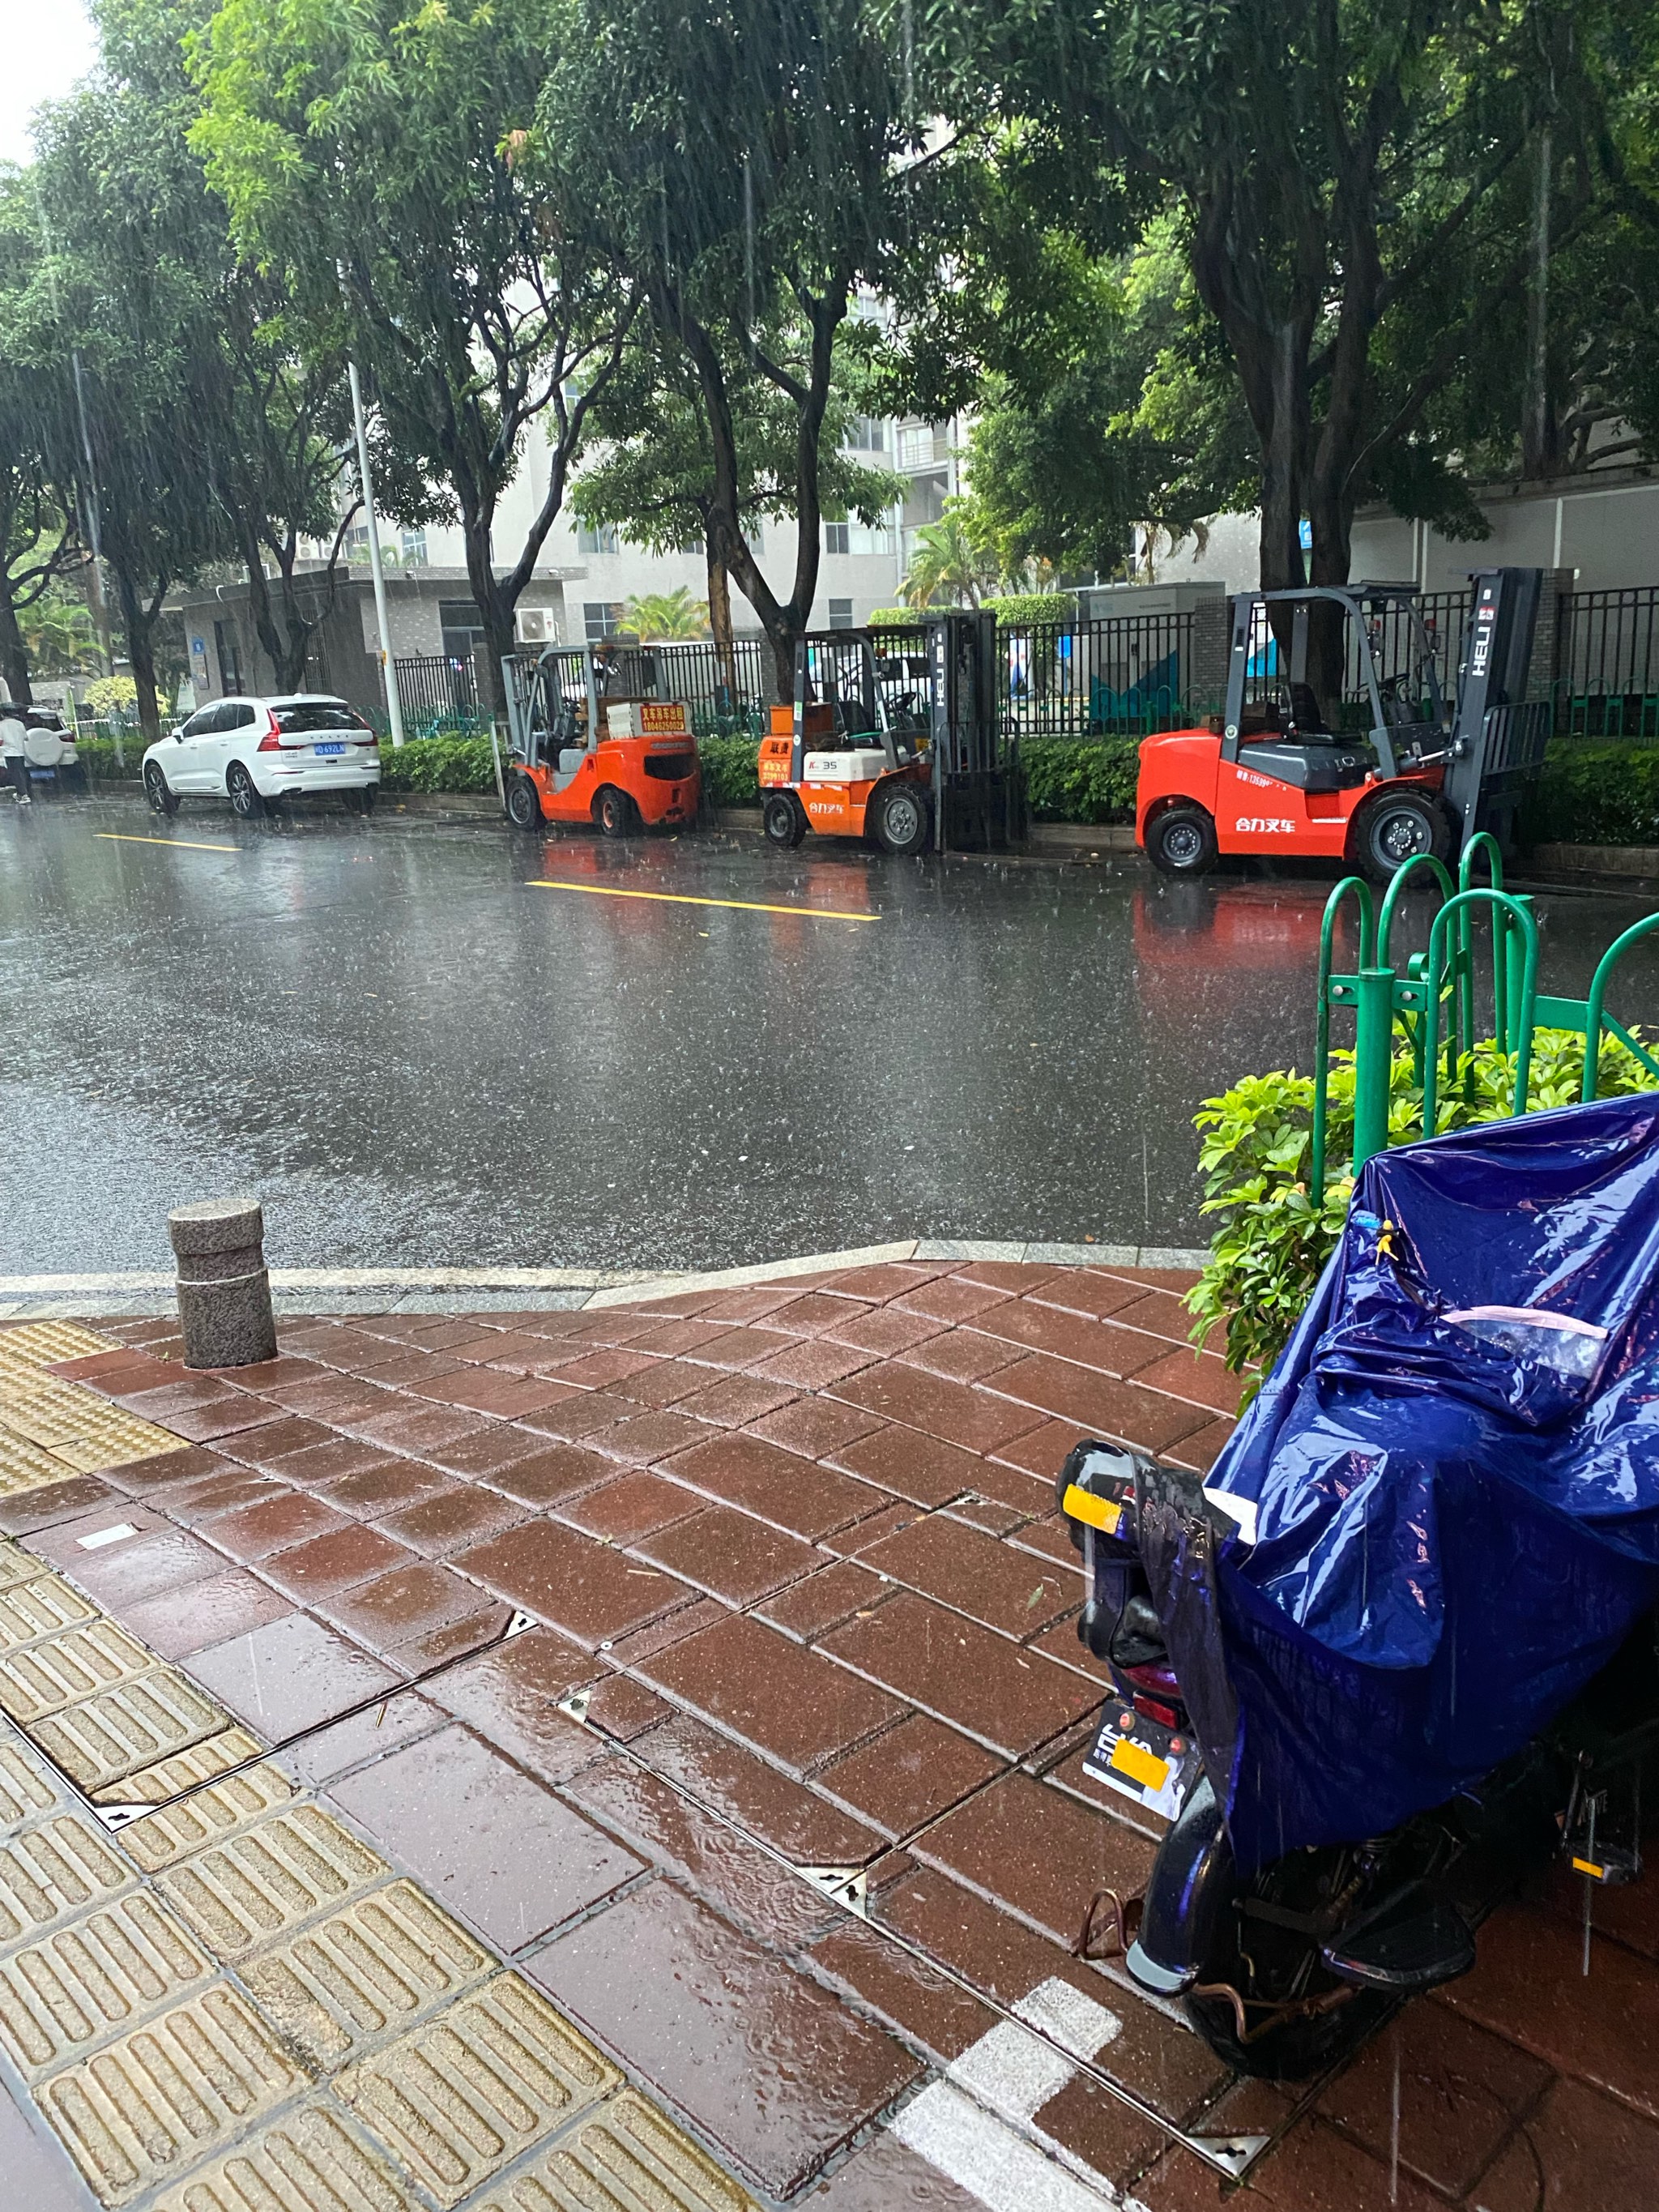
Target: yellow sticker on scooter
(1094, 1512)
(1141, 1765)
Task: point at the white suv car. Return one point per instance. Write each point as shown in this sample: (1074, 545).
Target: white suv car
(257, 752)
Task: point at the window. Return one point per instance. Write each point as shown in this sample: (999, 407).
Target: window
(317, 715)
(238, 718)
(597, 538)
(411, 545)
(841, 614)
(602, 618)
(202, 725)
(229, 652)
(836, 537)
(462, 628)
(866, 435)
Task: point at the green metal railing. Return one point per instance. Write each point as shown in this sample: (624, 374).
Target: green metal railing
(1383, 998)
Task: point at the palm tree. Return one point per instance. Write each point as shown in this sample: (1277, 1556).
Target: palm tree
(667, 616)
(947, 568)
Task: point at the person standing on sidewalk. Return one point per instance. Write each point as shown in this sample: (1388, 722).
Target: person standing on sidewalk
(13, 761)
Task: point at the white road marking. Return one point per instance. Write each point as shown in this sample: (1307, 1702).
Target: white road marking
(961, 2124)
(99, 1537)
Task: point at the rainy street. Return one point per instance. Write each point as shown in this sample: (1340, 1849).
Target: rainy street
(431, 1045)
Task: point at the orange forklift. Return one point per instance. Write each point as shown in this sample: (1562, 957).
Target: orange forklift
(594, 740)
(1373, 766)
(892, 736)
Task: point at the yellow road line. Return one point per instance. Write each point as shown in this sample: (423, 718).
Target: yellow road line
(121, 837)
(685, 899)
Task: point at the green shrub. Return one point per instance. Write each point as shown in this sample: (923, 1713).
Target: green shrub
(1595, 794)
(449, 764)
(97, 757)
(1090, 780)
(1016, 609)
(891, 618)
(729, 769)
(1255, 1154)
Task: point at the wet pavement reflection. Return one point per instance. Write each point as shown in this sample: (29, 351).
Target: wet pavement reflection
(423, 1054)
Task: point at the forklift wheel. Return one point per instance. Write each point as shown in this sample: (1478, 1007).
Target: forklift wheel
(614, 811)
(524, 805)
(1181, 841)
(783, 820)
(904, 817)
(1395, 828)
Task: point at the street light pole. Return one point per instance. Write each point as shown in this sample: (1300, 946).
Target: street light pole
(388, 661)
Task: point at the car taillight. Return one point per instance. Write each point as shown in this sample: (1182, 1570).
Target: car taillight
(370, 738)
(271, 741)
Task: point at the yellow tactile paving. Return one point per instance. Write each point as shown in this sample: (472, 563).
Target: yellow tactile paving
(51, 1429)
(26, 1789)
(17, 1565)
(263, 1881)
(455, 2101)
(102, 1740)
(65, 1668)
(628, 2158)
(166, 2094)
(42, 1606)
(375, 1968)
(53, 1871)
(26, 1467)
(102, 1973)
(44, 1343)
(308, 2161)
(150, 1785)
(211, 1814)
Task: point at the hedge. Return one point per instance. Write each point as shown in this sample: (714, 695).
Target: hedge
(1017, 610)
(1595, 794)
(1089, 779)
(438, 764)
(730, 770)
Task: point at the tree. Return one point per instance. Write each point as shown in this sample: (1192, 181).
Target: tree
(668, 615)
(1335, 171)
(372, 159)
(948, 567)
(744, 173)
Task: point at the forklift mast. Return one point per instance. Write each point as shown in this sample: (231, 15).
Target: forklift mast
(976, 785)
(1499, 735)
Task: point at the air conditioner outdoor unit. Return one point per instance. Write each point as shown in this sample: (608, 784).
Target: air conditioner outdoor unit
(535, 626)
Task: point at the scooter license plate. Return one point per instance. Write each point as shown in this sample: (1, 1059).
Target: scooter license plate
(1155, 1767)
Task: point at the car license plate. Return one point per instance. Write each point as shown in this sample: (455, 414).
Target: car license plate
(323, 752)
(1156, 1766)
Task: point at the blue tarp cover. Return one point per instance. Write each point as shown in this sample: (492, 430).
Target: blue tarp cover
(1448, 1516)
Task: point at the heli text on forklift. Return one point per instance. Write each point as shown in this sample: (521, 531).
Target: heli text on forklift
(1336, 741)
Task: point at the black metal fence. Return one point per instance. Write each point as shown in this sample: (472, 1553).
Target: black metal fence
(1609, 682)
(437, 692)
(1123, 675)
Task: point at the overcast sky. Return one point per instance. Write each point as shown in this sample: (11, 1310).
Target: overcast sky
(45, 45)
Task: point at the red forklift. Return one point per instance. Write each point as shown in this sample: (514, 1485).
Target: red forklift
(1337, 741)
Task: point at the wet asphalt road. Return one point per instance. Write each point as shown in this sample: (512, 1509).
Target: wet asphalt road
(421, 1058)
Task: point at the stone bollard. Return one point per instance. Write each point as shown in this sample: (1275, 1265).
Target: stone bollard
(224, 1293)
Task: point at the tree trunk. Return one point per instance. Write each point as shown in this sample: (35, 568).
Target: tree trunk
(284, 643)
(496, 597)
(14, 654)
(719, 622)
(1539, 456)
(139, 626)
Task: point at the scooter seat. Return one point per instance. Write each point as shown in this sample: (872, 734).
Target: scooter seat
(1413, 1940)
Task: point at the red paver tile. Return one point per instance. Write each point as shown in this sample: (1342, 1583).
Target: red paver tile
(805, 1314)
(1004, 1589)
(411, 1426)
(202, 1419)
(886, 1279)
(1037, 1850)
(1161, 1313)
(154, 1561)
(1090, 1291)
(504, 1348)
(588, 1370)
(661, 1382)
(491, 1845)
(768, 2066)
(629, 1506)
(1050, 1539)
(1528, 1984)
(815, 1427)
(950, 1298)
(969, 1418)
(985, 1513)
(742, 1787)
(54, 1502)
(810, 1363)
(883, 1521)
(734, 1348)
(728, 1555)
(169, 1471)
(273, 1524)
(1198, 1376)
(1101, 1346)
(178, 1622)
(315, 1570)
(737, 1400)
(116, 1372)
(385, 1488)
(582, 1413)
(925, 2006)
(1012, 1700)
(910, 1774)
(333, 1461)
(554, 1472)
(1628, 1914)
(1315, 2169)
(406, 1369)
(784, 1698)
(925, 1469)
(823, 1600)
(1017, 1277)
(1461, 2090)
(454, 1639)
(674, 1338)
(773, 1484)
(787, 1305)
(462, 1515)
(1061, 1644)
(636, 1439)
(1042, 1452)
(402, 1604)
(508, 1396)
(340, 1402)
(509, 1697)
(1580, 2153)
(1101, 1404)
(1204, 1449)
(960, 1356)
(289, 1675)
(885, 2176)
(642, 1644)
(486, 1450)
(883, 1329)
(584, 1588)
(624, 1709)
(181, 1390)
(192, 1504)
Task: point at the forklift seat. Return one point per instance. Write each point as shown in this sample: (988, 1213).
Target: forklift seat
(1306, 712)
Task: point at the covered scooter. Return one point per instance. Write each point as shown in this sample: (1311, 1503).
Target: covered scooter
(1405, 1623)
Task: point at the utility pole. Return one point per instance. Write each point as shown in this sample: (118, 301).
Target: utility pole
(388, 662)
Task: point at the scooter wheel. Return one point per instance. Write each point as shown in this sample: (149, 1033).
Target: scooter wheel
(1181, 842)
(783, 820)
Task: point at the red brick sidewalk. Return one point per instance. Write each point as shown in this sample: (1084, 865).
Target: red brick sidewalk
(801, 1540)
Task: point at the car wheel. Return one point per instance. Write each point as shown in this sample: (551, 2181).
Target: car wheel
(904, 819)
(783, 820)
(1395, 828)
(615, 812)
(1181, 842)
(524, 804)
(244, 799)
(163, 800)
